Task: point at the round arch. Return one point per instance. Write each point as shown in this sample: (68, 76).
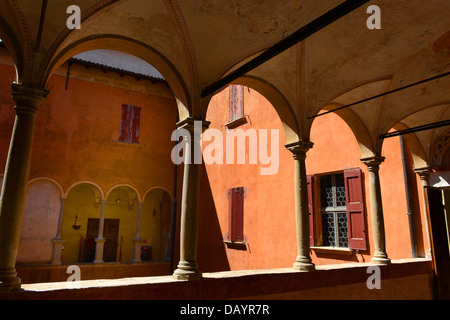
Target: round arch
(356, 125)
(368, 143)
(155, 188)
(420, 158)
(155, 224)
(40, 221)
(422, 144)
(277, 100)
(50, 180)
(102, 194)
(129, 46)
(83, 201)
(139, 198)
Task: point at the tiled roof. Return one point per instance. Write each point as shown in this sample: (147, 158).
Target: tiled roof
(120, 63)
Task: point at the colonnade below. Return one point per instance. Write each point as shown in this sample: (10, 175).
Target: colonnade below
(16, 177)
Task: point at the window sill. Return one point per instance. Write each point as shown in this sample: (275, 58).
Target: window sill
(236, 122)
(333, 250)
(235, 244)
(124, 143)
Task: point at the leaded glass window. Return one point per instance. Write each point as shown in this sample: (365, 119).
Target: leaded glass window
(334, 211)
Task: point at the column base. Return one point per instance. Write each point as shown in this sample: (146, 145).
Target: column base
(187, 271)
(9, 282)
(381, 258)
(58, 247)
(304, 264)
(99, 246)
(137, 251)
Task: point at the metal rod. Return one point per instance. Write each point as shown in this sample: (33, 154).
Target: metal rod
(41, 25)
(298, 36)
(383, 94)
(68, 74)
(416, 129)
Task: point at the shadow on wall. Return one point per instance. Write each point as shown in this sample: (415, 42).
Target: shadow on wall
(211, 249)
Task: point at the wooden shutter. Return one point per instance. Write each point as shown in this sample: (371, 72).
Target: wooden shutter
(236, 214)
(355, 209)
(236, 107)
(310, 181)
(130, 124)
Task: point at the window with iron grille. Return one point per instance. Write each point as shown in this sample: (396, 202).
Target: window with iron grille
(334, 211)
(341, 216)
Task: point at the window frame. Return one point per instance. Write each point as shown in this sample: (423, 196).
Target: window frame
(335, 210)
(355, 209)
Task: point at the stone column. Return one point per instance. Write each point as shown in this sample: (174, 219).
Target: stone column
(12, 201)
(303, 261)
(376, 210)
(138, 241)
(58, 242)
(100, 241)
(424, 174)
(187, 267)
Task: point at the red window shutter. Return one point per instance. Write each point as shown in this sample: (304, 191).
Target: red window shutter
(355, 209)
(125, 124)
(135, 125)
(236, 107)
(130, 124)
(310, 181)
(236, 214)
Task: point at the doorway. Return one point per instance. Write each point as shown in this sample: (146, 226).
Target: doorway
(111, 235)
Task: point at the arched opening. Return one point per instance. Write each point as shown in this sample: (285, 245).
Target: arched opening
(83, 203)
(400, 187)
(40, 222)
(247, 202)
(338, 232)
(420, 150)
(155, 224)
(282, 107)
(121, 215)
(131, 47)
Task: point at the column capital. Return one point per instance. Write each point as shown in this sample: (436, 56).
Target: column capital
(299, 148)
(423, 172)
(373, 163)
(27, 99)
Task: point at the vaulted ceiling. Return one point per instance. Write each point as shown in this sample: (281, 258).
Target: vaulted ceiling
(194, 43)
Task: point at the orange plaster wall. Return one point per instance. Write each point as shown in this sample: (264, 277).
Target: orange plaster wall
(76, 129)
(269, 222)
(73, 142)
